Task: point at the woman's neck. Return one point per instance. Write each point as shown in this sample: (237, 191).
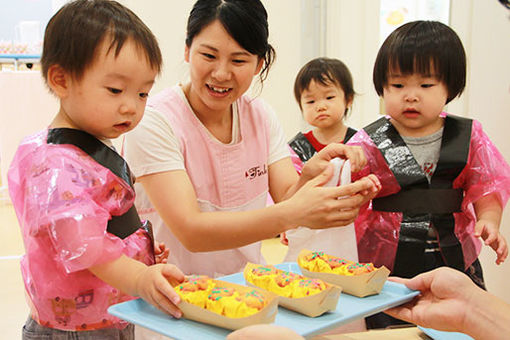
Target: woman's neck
(219, 123)
(332, 134)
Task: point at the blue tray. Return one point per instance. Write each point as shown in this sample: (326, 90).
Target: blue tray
(441, 335)
(349, 308)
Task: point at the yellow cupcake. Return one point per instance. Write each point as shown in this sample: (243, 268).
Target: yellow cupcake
(280, 282)
(228, 301)
(246, 304)
(241, 310)
(195, 289)
(254, 299)
(315, 262)
(342, 271)
(283, 283)
(323, 263)
(308, 287)
(216, 299)
(263, 276)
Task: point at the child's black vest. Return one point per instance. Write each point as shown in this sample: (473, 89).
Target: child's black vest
(129, 222)
(305, 150)
(422, 203)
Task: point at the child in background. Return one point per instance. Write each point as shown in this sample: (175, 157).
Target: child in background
(445, 183)
(86, 247)
(324, 91)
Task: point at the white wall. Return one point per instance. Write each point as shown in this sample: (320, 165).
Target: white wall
(167, 20)
(353, 37)
(26, 106)
(488, 100)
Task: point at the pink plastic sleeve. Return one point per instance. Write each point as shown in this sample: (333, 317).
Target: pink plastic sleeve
(375, 164)
(487, 171)
(70, 199)
(296, 161)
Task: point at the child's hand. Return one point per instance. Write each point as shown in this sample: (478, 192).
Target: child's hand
(489, 232)
(155, 285)
(161, 252)
(375, 186)
(320, 161)
(283, 239)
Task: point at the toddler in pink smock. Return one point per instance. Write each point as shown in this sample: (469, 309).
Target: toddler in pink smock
(86, 247)
(64, 199)
(444, 183)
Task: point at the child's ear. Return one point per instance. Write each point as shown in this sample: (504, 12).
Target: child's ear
(349, 101)
(58, 80)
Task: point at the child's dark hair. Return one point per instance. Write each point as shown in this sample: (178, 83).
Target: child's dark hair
(324, 71)
(74, 33)
(424, 47)
(244, 20)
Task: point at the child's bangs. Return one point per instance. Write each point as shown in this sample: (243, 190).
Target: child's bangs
(424, 64)
(323, 78)
(119, 32)
(326, 79)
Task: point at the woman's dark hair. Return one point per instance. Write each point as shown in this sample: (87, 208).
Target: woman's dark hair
(244, 20)
(505, 3)
(74, 33)
(424, 47)
(325, 71)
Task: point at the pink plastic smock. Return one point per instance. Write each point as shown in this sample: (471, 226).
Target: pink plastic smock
(486, 172)
(63, 200)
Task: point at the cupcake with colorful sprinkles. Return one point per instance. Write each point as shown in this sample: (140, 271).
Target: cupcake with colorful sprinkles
(358, 279)
(308, 296)
(220, 297)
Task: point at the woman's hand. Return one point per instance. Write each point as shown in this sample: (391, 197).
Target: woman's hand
(317, 207)
(444, 294)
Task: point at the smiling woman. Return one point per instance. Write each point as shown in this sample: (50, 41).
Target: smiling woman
(220, 152)
(221, 71)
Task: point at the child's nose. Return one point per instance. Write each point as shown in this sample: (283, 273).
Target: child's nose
(128, 106)
(321, 106)
(411, 96)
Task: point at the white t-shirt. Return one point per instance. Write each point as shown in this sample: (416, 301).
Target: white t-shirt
(161, 152)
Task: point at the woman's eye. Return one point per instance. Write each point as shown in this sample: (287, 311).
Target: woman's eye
(208, 56)
(238, 61)
(114, 90)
